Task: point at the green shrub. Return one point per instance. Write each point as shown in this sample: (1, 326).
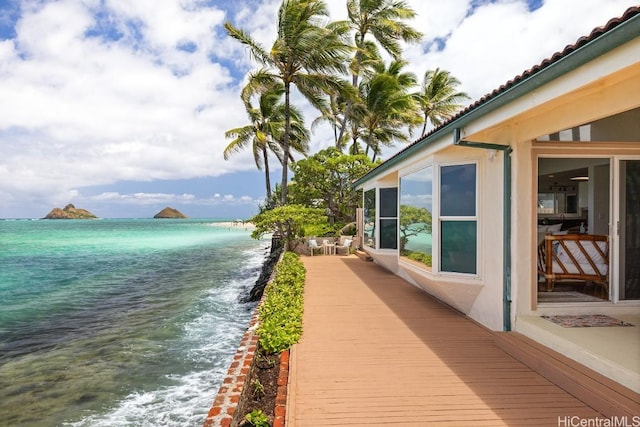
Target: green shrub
(418, 256)
(258, 418)
(280, 314)
(289, 221)
(321, 230)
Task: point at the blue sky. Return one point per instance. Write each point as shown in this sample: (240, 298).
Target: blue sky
(120, 106)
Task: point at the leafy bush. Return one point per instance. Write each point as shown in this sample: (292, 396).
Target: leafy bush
(290, 222)
(418, 256)
(280, 314)
(324, 179)
(323, 230)
(258, 418)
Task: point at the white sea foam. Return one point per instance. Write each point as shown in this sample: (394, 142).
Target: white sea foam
(184, 404)
(209, 341)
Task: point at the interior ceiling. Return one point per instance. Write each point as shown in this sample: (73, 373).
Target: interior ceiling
(561, 179)
(621, 127)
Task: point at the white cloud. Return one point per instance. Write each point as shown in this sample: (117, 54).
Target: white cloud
(142, 198)
(97, 92)
(113, 204)
(501, 40)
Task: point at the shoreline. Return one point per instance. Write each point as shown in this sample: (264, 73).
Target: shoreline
(235, 224)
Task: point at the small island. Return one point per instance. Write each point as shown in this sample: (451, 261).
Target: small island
(170, 213)
(70, 212)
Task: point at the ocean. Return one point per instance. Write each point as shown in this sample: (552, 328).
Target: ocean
(120, 322)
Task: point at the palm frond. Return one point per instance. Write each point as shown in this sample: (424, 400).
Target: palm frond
(256, 51)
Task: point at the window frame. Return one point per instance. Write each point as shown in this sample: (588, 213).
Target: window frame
(387, 218)
(375, 216)
(377, 221)
(417, 169)
(439, 219)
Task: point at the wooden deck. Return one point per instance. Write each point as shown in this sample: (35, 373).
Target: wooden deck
(377, 351)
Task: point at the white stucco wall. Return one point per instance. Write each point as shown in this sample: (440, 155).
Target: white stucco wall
(479, 296)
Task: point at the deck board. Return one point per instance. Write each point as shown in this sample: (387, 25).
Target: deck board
(378, 351)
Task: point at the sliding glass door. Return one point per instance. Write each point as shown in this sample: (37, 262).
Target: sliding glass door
(628, 229)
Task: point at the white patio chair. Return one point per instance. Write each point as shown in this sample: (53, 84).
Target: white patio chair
(344, 245)
(313, 246)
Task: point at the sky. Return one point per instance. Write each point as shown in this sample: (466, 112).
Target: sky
(120, 106)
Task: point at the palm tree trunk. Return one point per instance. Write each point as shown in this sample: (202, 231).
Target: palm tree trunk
(267, 177)
(285, 142)
(354, 82)
(347, 111)
(354, 146)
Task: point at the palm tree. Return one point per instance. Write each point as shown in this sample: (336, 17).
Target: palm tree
(299, 135)
(382, 19)
(439, 98)
(337, 101)
(266, 130)
(260, 83)
(306, 54)
(387, 108)
(260, 132)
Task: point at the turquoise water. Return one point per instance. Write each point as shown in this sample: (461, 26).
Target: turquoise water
(420, 243)
(119, 322)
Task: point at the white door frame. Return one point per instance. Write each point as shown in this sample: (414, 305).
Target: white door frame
(616, 257)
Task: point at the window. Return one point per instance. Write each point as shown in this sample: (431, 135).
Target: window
(458, 219)
(389, 218)
(369, 213)
(415, 216)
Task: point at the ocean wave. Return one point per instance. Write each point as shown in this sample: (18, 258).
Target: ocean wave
(185, 404)
(209, 342)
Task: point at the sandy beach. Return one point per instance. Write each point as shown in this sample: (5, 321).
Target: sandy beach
(236, 224)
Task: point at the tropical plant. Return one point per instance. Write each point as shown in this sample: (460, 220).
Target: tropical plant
(258, 388)
(288, 221)
(439, 98)
(384, 21)
(306, 54)
(420, 257)
(386, 110)
(324, 179)
(280, 313)
(413, 221)
(258, 418)
(266, 130)
(259, 133)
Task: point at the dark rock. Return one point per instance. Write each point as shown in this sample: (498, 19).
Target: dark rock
(69, 212)
(170, 213)
(267, 268)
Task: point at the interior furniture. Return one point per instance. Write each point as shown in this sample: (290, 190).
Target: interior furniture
(574, 257)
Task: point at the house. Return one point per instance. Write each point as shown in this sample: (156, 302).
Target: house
(548, 160)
